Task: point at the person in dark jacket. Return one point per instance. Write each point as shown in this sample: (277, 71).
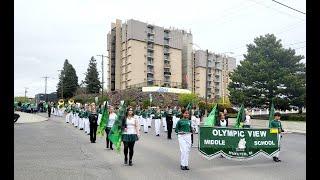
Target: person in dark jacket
(93, 119)
(169, 122)
(49, 109)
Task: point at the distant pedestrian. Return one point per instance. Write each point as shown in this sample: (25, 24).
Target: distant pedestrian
(183, 129)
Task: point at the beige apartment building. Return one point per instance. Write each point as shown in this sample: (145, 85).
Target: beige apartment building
(142, 54)
(216, 76)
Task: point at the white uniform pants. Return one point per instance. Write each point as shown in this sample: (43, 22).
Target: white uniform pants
(81, 123)
(279, 139)
(86, 125)
(185, 145)
(175, 122)
(72, 118)
(164, 124)
(140, 120)
(194, 123)
(197, 123)
(145, 124)
(67, 118)
(157, 125)
(149, 121)
(76, 120)
(99, 118)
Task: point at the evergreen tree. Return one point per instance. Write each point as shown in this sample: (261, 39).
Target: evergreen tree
(92, 77)
(269, 71)
(68, 81)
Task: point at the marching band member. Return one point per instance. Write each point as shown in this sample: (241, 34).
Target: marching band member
(157, 122)
(277, 124)
(183, 129)
(149, 117)
(130, 135)
(93, 119)
(145, 120)
(112, 119)
(86, 120)
(169, 122)
(163, 118)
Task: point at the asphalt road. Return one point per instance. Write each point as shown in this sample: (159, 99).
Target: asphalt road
(54, 149)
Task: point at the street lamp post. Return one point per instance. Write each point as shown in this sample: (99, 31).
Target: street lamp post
(102, 67)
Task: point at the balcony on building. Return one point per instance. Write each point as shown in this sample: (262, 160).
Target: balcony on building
(150, 63)
(167, 73)
(150, 39)
(149, 78)
(150, 31)
(150, 47)
(167, 65)
(166, 51)
(150, 71)
(149, 54)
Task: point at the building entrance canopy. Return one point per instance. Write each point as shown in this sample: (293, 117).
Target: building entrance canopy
(166, 90)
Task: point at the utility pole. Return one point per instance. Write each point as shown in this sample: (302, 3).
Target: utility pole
(102, 56)
(25, 93)
(45, 88)
(206, 94)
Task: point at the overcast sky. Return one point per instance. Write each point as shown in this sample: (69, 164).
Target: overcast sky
(46, 32)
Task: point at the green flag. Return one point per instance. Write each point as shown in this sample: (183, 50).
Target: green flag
(116, 130)
(271, 114)
(240, 117)
(212, 117)
(104, 121)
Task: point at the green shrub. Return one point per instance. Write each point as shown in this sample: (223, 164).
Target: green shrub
(284, 117)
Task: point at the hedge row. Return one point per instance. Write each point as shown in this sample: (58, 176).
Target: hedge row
(284, 117)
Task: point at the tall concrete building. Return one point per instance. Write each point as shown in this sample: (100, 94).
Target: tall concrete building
(143, 54)
(216, 76)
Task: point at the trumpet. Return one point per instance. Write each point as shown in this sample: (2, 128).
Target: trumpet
(61, 103)
(71, 101)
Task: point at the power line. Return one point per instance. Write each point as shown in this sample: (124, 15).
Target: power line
(262, 4)
(288, 7)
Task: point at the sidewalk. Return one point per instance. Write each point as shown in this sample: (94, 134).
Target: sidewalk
(29, 118)
(290, 126)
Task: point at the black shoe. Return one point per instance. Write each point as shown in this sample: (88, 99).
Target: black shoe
(111, 148)
(158, 135)
(125, 161)
(149, 126)
(130, 162)
(183, 168)
(276, 159)
(186, 168)
(145, 132)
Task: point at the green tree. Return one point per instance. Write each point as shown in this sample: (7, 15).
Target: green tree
(22, 99)
(92, 77)
(185, 99)
(268, 71)
(224, 103)
(68, 81)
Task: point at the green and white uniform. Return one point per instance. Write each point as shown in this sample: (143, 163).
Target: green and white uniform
(157, 122)
(183, 129)
(277, 124)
